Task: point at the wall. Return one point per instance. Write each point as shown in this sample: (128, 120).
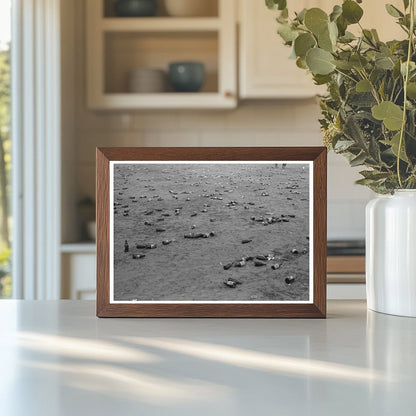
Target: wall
(257, 123)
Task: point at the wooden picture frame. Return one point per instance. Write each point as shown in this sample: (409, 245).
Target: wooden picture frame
(111, 160)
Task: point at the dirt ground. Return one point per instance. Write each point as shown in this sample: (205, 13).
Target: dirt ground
(267, 204)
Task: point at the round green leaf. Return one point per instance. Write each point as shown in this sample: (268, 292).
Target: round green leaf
(333, 32)
(301, 15)
(276, 4)
(363, 86)
(391, 114)
(393, 11)
(303, 43)
(324, 41)
(319, 61)
(316, 20)
(301, 63)
(336, 12)
(351, 11)
(287, 33)
(384, 62)
(411, 90)
(358, 61)
(328, 38)
(344, 65)
(395, 144)
(322, 79)
(342, 25)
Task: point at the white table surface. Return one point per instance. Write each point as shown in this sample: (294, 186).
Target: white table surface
(57, 358)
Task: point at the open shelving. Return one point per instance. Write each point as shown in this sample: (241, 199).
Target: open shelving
(117, 45)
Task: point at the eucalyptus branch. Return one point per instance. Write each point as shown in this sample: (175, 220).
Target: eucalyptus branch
(346, 75)
(385, 99)
(373, 88)
(392, 91)
(406, 80)
(398, 95)
(404, 28)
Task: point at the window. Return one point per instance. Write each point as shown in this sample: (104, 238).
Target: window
(5, 147)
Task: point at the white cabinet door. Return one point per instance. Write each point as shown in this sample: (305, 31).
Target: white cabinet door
(78, 276)
(265, 68)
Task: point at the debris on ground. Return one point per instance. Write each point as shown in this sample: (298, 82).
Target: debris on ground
(232, 283)
(148, 246)
(199, 235)
(289, 280)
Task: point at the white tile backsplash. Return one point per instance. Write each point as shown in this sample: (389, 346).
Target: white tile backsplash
(170, 138)
(346, 219)
(148, 120)
(341, 180)
(258, 123)
(231, 138)
(215, 120)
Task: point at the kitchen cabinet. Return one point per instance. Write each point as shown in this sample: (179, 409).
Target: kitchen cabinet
(264, 65)
(265, 69)
(118, 45)
(78, 263)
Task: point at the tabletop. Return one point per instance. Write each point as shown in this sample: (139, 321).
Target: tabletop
(57, 358)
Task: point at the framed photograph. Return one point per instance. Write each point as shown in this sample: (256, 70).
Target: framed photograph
(211, 232)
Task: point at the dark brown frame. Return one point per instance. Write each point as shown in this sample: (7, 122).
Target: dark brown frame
(317, 309)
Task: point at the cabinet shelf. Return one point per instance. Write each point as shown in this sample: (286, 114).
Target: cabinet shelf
(85, 247)
(160, 24)
(117, 45)
(199, 100)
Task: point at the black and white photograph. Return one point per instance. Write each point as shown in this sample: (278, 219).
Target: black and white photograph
(211, 232)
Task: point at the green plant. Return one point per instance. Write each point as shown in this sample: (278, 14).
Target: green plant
(5, 144)
(369, 113)
(5, 279)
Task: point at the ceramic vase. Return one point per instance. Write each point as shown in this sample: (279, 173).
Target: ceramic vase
(391, 253)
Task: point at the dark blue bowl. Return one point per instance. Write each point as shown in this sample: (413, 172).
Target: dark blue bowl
(187, 76)
(135, 8)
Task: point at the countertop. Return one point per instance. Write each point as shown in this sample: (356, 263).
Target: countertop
(57, 358)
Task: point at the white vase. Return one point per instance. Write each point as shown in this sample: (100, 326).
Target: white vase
(391, 253)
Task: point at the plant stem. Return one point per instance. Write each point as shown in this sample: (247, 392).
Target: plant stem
(373, 88)
(392, 91)
(406, 80)
(346, 75)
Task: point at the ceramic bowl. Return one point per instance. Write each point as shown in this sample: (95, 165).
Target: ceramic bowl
(135, 8)
(186, 76)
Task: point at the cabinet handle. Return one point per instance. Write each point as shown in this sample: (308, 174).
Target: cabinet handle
(229, 94)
